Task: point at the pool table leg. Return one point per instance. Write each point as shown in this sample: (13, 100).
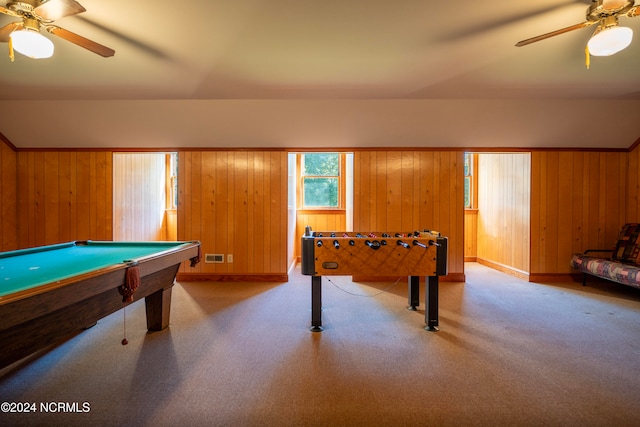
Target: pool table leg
(158, 306)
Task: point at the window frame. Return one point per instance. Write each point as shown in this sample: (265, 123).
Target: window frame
(171, 181)
(471, 177)
(341, 184)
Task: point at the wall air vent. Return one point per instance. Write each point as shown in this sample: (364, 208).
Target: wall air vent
(214, 258)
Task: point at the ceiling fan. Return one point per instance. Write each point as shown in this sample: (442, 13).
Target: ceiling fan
(608, 37)
(37, 14)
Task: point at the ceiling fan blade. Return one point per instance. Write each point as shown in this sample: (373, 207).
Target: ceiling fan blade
(56, 9)
(6, 31)
(158, 53)
(81, 41)
(7, 11)
(554, 33)
(485, 26)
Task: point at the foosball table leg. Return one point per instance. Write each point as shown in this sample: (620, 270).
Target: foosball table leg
(316, 304)
(414, 293)
(431, 302)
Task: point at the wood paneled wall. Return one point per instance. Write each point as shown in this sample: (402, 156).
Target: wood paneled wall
(578, 202)
(139, 192)
(320, 221)
(412, 190)
(235, 202)
(64, 196)
(293, 238)
(471, 235)
(8, 198)
(503, 222)
(633, 186)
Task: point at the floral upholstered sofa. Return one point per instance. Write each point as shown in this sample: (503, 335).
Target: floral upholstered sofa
(622, 265)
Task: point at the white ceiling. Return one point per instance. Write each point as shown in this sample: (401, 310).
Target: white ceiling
(193, 50)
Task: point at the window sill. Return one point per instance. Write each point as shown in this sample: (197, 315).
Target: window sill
(321, 211)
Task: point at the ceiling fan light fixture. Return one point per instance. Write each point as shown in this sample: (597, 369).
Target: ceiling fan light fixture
(32, 44)
(610, 40)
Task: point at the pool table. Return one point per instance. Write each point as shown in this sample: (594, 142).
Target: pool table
(50, 293)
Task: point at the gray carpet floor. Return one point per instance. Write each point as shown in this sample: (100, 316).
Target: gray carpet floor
(508, 353)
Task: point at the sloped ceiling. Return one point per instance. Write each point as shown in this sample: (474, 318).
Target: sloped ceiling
(295, 73)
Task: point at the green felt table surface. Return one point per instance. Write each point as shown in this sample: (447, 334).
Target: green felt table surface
(28, 268)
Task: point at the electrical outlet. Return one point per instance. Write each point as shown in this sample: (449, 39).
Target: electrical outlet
(230, 258)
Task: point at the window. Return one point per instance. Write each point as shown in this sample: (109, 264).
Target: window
(469, 183)
(321, 180)
(172, 181)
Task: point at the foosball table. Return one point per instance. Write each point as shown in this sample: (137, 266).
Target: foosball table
(414, 254)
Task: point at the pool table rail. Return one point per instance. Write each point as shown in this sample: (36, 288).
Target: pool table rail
(31, 320)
